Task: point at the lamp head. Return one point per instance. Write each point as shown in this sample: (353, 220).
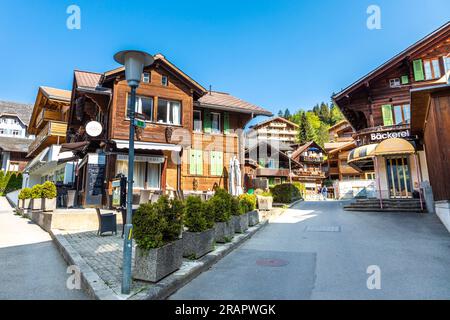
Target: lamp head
(134, 62)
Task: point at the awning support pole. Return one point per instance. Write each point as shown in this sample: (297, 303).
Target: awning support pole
(420, 180)
(377, 173)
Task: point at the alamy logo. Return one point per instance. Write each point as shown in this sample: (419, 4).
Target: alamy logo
(74, 280)
(374, 19)
(74, 20)
(374, 280)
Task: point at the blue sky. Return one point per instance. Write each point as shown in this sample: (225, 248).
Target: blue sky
(277, 54)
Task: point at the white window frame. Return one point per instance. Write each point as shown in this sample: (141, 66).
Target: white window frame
(201, 121)
(166, 82)
(15, 132)
(447, 64)
(136, 106)
(146, 76)
(395, 82)
(167, 105)
(219, 121)
(432, 73)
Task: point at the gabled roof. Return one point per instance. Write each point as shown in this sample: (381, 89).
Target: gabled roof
(445, 29)
(304, 147)
(274, 119)
(345, 146)
(159, 58)
(56, 94)
(12, 144)
(225, 101)
(19, 110)
(340, 123)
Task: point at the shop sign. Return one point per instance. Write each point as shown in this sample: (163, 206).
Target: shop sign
(389, 134)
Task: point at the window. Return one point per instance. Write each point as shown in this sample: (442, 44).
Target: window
(59, 175)
(15, 132)
(169, 112)
(13, 166)
(198, 126)
(138, 175)
(2, 131)
(146, 77)
(394, 82)
(447, 64)
(144, 106)
(164, 81)
(402, 114)
(196, 162)
(432, 70)
(153, 176)
(215, 122)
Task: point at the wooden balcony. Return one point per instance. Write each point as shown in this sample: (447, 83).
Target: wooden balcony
(54, 132)
(266, 172)
(47, 115)
(377, 134)
(310, 173)
(311, 159)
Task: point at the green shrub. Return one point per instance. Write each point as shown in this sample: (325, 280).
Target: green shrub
(9, 182)
(285, 193)
(49, 190)
(25, 193)
(247, 202)
(301, 188)
(159, 223)
(198, 216)
(236, 209)
(36, 191)
(221, 205)
(149, 226)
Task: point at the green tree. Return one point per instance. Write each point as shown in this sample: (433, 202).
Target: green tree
(335, 115)
(302, 136)
(287, 114)
(280, 113)
(324, 113)
(322, 135)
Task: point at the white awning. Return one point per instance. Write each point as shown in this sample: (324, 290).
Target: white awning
(123, 144)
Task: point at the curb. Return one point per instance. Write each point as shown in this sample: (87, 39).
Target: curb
(97, 289)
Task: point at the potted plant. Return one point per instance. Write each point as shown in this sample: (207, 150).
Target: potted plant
(24, 198)
(220, 205)
(36, 196)
(157, 229)
(198, 239)
(239, 216)
(265, 201)
(49, 196)
(247, 202)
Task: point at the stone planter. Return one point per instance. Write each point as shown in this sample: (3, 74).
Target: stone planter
(197, 244)
(265, 203)
(240, 223)
(49, 204)
(253, 218)
(26, 204)
(36, 204)
(224, 231)
(154, 264)
(20, 204)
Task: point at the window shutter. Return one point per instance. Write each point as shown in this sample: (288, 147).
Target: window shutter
(418, 70)
(226, 123)
(219, 163)
(192, 161)
(207, 122)
(199, 162)
(212, 163)
(387, 115)
(405, 80)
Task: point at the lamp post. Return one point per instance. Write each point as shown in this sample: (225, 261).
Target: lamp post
(134, 62)
(289, 154)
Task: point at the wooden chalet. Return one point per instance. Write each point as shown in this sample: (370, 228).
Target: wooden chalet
(378, 107)
(190, 135)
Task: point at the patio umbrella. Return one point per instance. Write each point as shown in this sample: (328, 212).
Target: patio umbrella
(238, 177)
(231, 178)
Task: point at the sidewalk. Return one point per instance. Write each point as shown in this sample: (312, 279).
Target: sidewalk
(32, 267)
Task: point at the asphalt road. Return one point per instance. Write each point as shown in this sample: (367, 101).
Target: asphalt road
(31, 266)
(318, 251)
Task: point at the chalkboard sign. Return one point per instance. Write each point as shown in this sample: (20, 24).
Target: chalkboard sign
(95, 177)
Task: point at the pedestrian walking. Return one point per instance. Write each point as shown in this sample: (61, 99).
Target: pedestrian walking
(325, 193)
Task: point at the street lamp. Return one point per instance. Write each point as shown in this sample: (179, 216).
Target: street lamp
(289, 154)
(134, 62)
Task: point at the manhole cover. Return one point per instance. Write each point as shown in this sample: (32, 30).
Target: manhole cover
(272, 262)
(323, 229)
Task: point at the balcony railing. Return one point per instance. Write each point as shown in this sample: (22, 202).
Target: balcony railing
(52, 128)
(265, 172)
(311, 159)
(379, 133)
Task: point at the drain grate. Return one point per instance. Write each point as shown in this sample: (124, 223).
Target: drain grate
(323, 229)
(272, 263)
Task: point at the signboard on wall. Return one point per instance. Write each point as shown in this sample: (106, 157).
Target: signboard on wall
(389, 134)
(95, 177)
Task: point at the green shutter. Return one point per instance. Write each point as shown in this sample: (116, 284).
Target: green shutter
(387, 115)
(226, 123)
(199, 162)
(405, 80)
(207, 122)
(418, 70)
(192, 161)
(219, 163)
(212, 163)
